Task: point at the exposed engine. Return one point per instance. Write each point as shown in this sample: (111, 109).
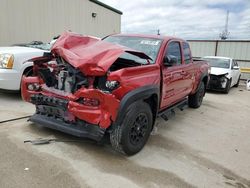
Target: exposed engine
(59, 74)
(70, 79)
(63, 76)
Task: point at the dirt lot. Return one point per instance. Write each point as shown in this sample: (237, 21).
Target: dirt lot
(206, 147)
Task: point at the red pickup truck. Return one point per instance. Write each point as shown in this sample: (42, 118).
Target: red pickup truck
(119, 85)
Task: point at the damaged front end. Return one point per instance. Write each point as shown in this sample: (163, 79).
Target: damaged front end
(72, 87)
(218, 82)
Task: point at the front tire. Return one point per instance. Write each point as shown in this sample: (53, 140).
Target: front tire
(195, 100)
(228, 86)
(133, 133)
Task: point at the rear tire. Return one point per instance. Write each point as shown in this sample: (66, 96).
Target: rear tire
(133, 133)
(195, 100)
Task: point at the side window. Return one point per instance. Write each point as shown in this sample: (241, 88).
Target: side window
(174, 49)
(187, 54)
(234, 63)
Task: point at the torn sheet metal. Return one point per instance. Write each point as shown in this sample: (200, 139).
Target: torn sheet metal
(91, 55)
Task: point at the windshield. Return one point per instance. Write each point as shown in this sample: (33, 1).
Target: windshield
(39, 45)
(218, 62)
(149, 46)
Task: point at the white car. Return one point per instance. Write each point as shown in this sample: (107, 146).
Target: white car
(13, 63)
(225, 73)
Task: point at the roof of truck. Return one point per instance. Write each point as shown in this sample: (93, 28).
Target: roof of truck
(162, 37)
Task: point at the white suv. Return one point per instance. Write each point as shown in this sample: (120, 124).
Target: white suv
(225, 73)
(14, 64)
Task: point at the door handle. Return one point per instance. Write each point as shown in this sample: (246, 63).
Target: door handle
(183, 73)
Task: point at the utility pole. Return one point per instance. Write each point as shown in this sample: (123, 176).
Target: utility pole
(225, 33)
(158, 31)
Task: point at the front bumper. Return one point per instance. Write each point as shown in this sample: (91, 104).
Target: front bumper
(82, 129)
(66, 112)
(9, 79)
(217, 82)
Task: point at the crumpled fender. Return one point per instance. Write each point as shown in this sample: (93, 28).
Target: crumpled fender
(90, 55)
(101, 115)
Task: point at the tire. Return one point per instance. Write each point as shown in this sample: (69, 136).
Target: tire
(195, 100)
(133, 133)
(237, 84)
(28, 71)
(228, 86)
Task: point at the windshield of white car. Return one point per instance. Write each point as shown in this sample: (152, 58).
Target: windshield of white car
(149, 46)
(218, 62)
(37, 44)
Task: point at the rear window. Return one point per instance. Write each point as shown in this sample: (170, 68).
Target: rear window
(187, 54)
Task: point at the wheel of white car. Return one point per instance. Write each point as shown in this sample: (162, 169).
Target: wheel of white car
(228, 86)
(28, 71)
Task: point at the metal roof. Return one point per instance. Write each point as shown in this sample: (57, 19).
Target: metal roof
(106, 6)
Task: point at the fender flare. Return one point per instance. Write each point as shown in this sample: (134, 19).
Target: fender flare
(135, 95)
(203, 75)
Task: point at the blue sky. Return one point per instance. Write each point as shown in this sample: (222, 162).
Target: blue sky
(189, 19)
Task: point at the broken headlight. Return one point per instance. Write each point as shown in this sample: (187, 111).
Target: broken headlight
(6, 61)
(223, 79)
(111, 85)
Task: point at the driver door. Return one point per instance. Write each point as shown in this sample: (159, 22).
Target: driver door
(172, 76)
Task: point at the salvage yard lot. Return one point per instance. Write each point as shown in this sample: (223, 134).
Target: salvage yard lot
(205, 147)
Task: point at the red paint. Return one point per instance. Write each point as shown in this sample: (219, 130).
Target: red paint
(94, 57)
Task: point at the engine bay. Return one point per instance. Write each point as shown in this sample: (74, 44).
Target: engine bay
(62, 76)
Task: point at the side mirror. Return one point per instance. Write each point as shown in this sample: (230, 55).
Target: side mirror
(236, 68)
(170, 60)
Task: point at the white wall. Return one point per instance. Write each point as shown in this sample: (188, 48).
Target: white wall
(27, 20)
(239, 50)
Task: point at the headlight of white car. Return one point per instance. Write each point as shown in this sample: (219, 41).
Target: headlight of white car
(6, 61)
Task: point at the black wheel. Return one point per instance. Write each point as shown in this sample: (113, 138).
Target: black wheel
(195, 100)
(237, 84)
(28, 71)
(228, 86)
(131, 136)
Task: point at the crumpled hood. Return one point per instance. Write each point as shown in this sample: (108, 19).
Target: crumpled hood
(18, 50)
(219, 71)
(91, 55)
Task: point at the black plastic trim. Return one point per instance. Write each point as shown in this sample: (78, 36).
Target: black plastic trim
(84, 130)
(201, 78)
(135, 95)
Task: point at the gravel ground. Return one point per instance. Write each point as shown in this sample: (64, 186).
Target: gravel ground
(205, 147)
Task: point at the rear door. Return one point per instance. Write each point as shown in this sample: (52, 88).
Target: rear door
(188, 71)
(235, 72)
(173, 82)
